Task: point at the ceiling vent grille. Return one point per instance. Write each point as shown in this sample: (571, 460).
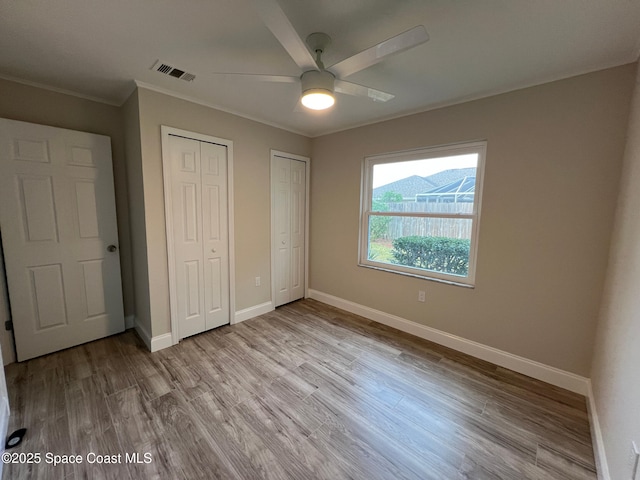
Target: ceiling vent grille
(167, 69)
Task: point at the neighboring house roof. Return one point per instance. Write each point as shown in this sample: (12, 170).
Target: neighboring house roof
(411, 186)
(448, 176)
(461, 190)
(407, 187)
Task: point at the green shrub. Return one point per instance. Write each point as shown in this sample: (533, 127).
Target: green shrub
(379, 225)
(440, 254)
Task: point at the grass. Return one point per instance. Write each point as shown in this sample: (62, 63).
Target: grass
(380, 251)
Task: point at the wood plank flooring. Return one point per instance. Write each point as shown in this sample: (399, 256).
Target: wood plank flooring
(305, 392)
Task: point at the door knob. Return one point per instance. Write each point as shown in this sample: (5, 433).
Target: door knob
(213, 250)
(283, 242)
(111, 248)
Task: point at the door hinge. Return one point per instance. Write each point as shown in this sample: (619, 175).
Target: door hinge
(8, 325)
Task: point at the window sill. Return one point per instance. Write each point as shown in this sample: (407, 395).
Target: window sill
(421, 277)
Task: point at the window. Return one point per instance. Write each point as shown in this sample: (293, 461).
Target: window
(421, 210)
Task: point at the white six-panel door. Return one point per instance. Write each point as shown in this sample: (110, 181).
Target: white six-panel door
(199, 217)
(59, 234)
(288, 184)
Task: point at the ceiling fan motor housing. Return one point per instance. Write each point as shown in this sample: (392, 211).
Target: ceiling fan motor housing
(317, 80)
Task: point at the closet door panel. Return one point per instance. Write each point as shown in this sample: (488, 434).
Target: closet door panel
(288, 185)
(216, 230)
(187, 234)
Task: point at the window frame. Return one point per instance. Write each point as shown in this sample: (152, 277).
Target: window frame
(426, 153)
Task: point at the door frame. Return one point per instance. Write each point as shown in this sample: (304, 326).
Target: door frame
(307, 170)
(166, 132)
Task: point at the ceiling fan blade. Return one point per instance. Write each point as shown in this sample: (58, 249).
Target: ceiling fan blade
(274, 18)
(370, 56)
(259, 77)
(350, 88)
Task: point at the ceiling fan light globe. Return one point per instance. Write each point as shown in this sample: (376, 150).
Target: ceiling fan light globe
(318, 99)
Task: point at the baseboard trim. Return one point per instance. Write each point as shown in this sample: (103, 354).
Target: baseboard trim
(142, 333)
(156, 343)
(161, 342)
(165, 340)
(531, 368)
(251, 312)
(602, 467)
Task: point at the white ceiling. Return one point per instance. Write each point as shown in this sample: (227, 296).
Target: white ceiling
(96, 48)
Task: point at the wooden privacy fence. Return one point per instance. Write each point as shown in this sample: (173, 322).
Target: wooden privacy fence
(432, 227)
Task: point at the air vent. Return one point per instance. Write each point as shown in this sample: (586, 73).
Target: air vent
(173, 71)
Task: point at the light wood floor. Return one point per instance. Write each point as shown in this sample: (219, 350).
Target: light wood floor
(305, 392)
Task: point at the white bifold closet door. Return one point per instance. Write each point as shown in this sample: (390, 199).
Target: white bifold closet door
(200, 234)
(59, 233)
(288, 183)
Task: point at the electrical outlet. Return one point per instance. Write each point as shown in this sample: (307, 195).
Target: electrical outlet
(257, 281)
(421, 296)
(635, 462)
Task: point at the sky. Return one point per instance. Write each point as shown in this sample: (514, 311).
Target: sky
(387, 173)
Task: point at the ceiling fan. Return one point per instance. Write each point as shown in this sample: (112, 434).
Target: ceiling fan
(317, 81)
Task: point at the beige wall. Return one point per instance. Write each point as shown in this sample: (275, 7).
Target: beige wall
(616, 366)
(551, 177)
(252, 142)
(35, 105)
(139, 262)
